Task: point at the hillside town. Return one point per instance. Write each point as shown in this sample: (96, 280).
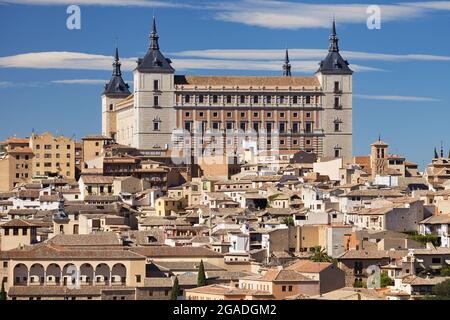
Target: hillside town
(222, 188)
(284, 226)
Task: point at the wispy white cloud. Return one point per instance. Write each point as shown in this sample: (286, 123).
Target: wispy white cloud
(86, 61)
(121, 3)
(5, 84)
(396, 98)
(81, 81)
(294, 15)
(63, 60)
(278, 54)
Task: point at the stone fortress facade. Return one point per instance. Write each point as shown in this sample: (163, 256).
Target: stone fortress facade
(311, 113)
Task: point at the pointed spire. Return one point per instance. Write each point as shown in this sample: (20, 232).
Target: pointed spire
(287, 65)
(334, 41)
(154, 45)
(116, 63)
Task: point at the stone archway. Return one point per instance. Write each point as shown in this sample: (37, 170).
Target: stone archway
(53, 274)
(86, 274)
(119, 274)
(37, 274)
(102, 274)
(20, 274)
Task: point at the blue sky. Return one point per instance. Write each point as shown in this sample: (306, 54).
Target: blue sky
(51, 77)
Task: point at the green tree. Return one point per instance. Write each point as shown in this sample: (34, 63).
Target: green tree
(175, 293)
(289, 221)
(319, 255)
(442, 290)
(359, 284)
(201, 278)
(385, 280)
(445, 272)
(2, 291)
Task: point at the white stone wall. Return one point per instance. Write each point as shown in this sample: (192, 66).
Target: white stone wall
(342, 139)
(145, 113)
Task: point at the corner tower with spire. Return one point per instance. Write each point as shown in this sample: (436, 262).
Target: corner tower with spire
(335, 77)
(115, 90)
(286, 65)
(153, 98)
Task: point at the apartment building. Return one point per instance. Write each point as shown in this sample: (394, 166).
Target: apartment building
(53, 156)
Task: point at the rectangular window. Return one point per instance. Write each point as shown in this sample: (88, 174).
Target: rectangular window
(269, 127)
(187, 126)
(228, 114)
(337, 127)
(336, 87)
(156, 126)
(187, 98)
(269, 99)
(200, 98)
(256, 126)
(282, 127)
(281, 99)
(228, 99)
(138, 278)
(337, 153)
(242, 126)
(215, 99)
(229, 125)
(294, 99)
(308, 127)
(337, 102)
(283, 288)
(215, 114)
(295, 127)
(435, 260)
(255, 99)
(269, 115)
(155, 85)
(308, 99)
(242, 99)
(156, 101)
(215, 125)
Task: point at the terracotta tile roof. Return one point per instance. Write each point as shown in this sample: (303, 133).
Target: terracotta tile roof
(166, 251)
(15, 140)
(96, 137)
(308, 266)
(97, 239)
(418, 281)
(374, 193)
(34, 193)
(227, 291)
(97, 179)
(49, 198)
(22, 212)
(246, 81)
(176, 266)
(18, 223)
(276, 275)
(440, 219)
(45, 251)
(58, 291)
(25, 150)
(102, 198)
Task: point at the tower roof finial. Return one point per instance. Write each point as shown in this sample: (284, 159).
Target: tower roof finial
(334, 41)
(286, 65)
(154, 45)
(116, 63)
